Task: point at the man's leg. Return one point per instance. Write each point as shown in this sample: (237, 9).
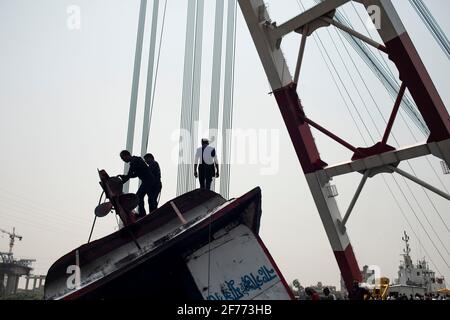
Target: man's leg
(208, 182)
(153, 199)
(142, 191)
(202, 178)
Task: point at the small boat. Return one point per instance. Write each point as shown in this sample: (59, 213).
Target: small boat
(198, 246)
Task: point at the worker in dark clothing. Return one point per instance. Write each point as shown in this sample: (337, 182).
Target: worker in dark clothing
(357, 292)
(207, 165)
(312, 294)
(138, 169)
(153, 199)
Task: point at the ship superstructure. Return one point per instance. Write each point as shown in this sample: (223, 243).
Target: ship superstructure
(415, 278)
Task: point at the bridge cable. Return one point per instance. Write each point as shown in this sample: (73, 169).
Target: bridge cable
(432, 25)
(157, 63)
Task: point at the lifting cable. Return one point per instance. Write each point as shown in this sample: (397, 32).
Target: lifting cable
(194, 113)
(227, 115)
(95, 218)
(227, 121)
(159, 55)
(191, 93)
(152, 98)
(216, 77)
(186, 103)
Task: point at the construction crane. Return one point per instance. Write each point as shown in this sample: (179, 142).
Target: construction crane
(12, 237)
(368, 160)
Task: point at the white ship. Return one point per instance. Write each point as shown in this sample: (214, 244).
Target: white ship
(416, 278)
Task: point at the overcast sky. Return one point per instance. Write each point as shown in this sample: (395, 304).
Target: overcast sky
(64, 102)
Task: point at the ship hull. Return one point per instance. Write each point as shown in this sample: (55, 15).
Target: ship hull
(198, 246)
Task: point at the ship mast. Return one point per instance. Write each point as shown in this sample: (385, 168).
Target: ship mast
(407, 250)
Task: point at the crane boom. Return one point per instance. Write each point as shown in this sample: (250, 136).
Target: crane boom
(12, 237)
(380, 158)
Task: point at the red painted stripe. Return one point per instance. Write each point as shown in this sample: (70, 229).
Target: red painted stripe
(382, 48)
(274, 265)
(349, 266)
(299, 131)
(414, 74)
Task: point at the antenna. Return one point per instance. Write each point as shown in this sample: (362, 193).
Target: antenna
(405, 238)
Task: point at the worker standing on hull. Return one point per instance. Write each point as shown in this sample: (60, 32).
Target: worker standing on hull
(207, 165)
(153, 199)
(138, 169)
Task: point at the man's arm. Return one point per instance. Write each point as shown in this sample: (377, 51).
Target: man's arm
(131, 174)
(217, 170)
(216, 164)
(158, 171)
(196, 161)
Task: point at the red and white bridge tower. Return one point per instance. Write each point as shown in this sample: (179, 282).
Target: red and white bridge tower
(369, 161)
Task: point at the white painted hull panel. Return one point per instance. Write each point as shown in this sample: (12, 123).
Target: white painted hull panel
(239, 268)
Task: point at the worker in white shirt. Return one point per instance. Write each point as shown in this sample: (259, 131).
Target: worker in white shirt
(206, 165)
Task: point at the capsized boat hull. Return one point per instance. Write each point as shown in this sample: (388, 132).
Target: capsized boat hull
(197, 246)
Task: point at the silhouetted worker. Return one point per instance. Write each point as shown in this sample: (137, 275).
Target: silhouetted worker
(157, 185)
(328, 294)
(357, 292)
(206, 162)
(312, 294)
(138, 169)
